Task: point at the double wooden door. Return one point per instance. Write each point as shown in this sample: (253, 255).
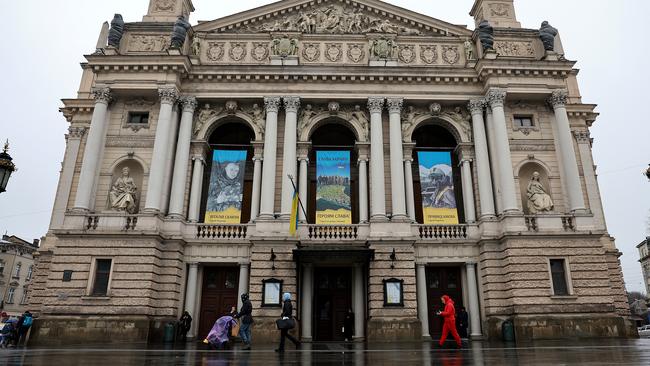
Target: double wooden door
(442, 281)
(333, 299)
(219, 294)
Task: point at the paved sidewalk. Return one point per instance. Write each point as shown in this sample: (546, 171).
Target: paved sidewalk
(596, 352)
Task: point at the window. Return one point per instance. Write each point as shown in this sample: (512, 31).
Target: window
(17, 272)
(10, 295)
(2, 267)
(102, 275)
(558, 275)
(524, 121)
(30, 271)
(138, 118)
(23, 300)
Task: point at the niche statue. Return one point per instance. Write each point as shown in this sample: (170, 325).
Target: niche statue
(547, 34)
(538, 199)
(179, 33)
(486, 35)
(123, 193)
(116, 32)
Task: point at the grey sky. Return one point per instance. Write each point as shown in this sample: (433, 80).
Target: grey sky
(45, 41)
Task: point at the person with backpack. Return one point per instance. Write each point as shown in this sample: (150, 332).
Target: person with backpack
(23, 326)
(184, 325)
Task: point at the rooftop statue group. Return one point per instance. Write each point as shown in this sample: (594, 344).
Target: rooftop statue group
(179, 32)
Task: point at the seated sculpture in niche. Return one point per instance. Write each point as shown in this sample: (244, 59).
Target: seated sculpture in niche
(538, 199)
(123, 194)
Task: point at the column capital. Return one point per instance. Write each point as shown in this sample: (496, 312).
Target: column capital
(420, 264)
(188, 103)
(102, 95)
(375, 104)
(199, 158)
(395, 105)
(193, 264)
(76, 132)
(168, 95)
(470, 263)
(291, 103)
(496, 97)
(272, 104)
(558, 98)
(476, 106)
(583, 137)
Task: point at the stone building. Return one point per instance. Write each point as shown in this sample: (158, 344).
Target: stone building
(644, 259)
(464, 168)
(16, 272)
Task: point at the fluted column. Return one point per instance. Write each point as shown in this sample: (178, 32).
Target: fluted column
(474, 309)
(306, 300)
(73, 139)
(423, 312)
(257, 180)
(267, 209)
(195, 190)
(363, 182)
(181, 163)
(93, 149)
(303, 157)
(398, 195)
(377, 186)
(496, 98)
(494, 161)
(243, 282)
(190, 295)
(482, 160)
(468, 191)
(162, 143)
(291, 106)
(570, 174)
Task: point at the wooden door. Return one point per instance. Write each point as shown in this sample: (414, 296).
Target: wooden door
(219, 294)
(442, 281)
(333, 299)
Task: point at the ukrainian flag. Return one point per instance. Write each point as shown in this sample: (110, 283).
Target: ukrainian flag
(293, 223)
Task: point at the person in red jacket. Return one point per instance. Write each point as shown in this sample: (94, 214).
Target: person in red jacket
(449, 325)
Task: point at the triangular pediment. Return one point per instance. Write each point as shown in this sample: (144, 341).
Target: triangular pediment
(333, 17)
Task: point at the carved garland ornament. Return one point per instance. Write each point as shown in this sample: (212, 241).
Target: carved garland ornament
(333, 52)
(215, 51)
(406, 53)
(429, 54)
(311, 52)
(237, 51)
(356, 52)
(450, 54)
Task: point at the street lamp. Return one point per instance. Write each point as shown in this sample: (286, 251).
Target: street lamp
(647, 172)
(6, 167)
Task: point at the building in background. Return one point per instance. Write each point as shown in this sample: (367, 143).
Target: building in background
(16, 271)
(430, 159)
(644, 259)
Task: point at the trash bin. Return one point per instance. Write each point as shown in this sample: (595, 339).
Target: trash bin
(508, 331)
(168, 336)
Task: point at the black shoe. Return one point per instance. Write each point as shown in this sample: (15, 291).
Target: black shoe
(279, 350)
(246, 347)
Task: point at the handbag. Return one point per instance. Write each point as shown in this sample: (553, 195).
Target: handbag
(235, 329)
(285, 323)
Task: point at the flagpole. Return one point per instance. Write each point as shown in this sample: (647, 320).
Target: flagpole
(299, 201)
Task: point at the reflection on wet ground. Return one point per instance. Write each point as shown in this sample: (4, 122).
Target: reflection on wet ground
(596, 352)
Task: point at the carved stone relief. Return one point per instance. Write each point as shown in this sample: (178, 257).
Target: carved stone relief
(450, 54)
(129, 141)
(260, 51)
(406, 53)
(215, 51)
(237, 51)
(514, 49)
(333, 51)
(383, 48)
(356, 52)
(148, 43)
(499, 10)
(429, 54)
(164, 5)
(311, 52)
(285, 46)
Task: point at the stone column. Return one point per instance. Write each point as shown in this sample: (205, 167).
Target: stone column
(474, 309)
(362, 150)
(196, 189)
(243, 282)
(67, 174)
(359, 305)
(267, 209)
(468, 191)
(168, 97)
(257, 180)
(496, 98)
(306, 300)
(303, 157)
(570, 174)
(423, 313)
(169, 159)
(591, 183)
(482, 159)
(181, 163)
(494, 161)
(408, 181)
(92, 151)
(377, 186)
(291, 106)
(190, 295)
(398, 195)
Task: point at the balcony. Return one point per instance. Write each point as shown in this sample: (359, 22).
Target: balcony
(442, 232)
(334, 232)
(208, 231)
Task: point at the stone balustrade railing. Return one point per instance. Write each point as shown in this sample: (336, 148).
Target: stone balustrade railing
(441, 232)
(332, 232)
(207, 231)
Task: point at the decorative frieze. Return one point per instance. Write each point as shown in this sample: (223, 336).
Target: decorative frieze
(429, 54)
(450, 54)
(333, 52)
(406, 53)
(129, 141)
(148, 43)
(237, 51)
(311, 52)
(215, 51)
(514, 48)
(356, 52)
(260, 51)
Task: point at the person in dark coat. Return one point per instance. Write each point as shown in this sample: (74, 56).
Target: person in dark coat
(246, 319)
(348, 325)
(449, 325)
(462, 322)
(184, 325)
(287, 313)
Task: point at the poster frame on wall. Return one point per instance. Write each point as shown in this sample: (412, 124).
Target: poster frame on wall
(341, 215)
(448, 211)
(231, 215)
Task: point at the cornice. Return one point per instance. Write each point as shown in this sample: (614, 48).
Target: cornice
(140, 63)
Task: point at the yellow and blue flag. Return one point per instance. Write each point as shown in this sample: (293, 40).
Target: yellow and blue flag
(293, 223)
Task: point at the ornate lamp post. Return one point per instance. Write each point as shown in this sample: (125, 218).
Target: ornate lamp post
(6, 167)
(647, 172)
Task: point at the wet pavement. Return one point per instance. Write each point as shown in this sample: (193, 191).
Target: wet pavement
(596, 352)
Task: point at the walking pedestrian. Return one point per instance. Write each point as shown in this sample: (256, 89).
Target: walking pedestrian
(245, 317)
(449, 325)
(462, 321)
(287, 314)
(348, 325)
(184, 325)
(25, 323)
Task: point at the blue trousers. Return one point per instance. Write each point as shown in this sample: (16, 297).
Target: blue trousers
(245, 333)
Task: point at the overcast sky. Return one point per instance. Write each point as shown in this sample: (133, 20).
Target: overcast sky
(45, 41)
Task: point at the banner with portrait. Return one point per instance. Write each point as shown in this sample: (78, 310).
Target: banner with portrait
(437, 188)
(226, 188)
(333, 195)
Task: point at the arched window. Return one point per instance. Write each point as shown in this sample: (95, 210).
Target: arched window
(17, 271)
